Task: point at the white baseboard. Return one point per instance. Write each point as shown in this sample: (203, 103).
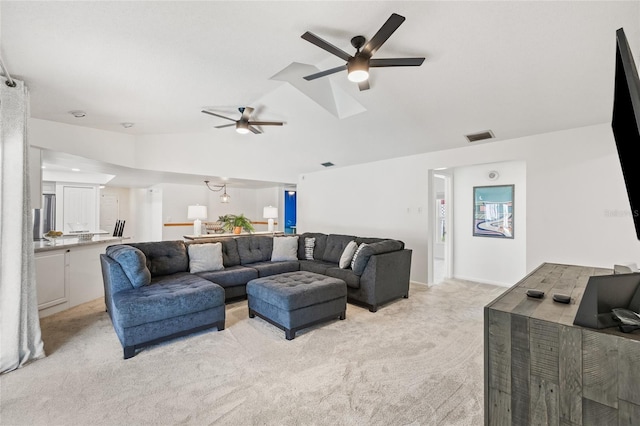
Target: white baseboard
(476, 280)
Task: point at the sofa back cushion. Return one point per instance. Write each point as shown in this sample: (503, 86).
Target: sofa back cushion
(133, 262)
(368, 240)
(254, 249)
(319, 246)
(361, 258)
(164, 257)
(230, 255)
(336, 244)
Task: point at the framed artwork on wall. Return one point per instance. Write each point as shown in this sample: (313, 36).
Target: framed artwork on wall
(493, 211)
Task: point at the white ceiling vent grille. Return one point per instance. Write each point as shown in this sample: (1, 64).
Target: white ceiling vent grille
(476, 137)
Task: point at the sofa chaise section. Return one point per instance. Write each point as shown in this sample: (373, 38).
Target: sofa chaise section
(151, 298)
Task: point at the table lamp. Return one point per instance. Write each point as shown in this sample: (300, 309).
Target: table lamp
(196, 213)
(270, 213)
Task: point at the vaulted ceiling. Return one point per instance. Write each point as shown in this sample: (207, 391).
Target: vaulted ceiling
(515, 68)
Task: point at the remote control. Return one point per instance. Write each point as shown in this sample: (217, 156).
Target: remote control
(537, 294)
(561, 298)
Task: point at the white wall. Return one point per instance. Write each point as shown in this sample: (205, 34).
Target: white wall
(110, 147)
(486, 259)
(175, 202)
(214, 152)
(577, 211)
(153, 208)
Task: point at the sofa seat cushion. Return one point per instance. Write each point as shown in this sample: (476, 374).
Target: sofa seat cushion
(317, 266)
(168, 297)
(266, 269)
(346, 275)
(164, 257)
(296, 290)
(230, 277)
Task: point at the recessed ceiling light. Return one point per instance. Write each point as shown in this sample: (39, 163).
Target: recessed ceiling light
(78, 113)
(127, 125)
(328, 164)
(75, 170)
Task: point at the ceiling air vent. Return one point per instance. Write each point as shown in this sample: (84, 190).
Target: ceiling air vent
(476, 137)
(328, 164)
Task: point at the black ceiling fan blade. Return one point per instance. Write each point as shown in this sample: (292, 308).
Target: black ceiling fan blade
(323, 44)
(254, 130)
(325, 72)
(218, 115)
(364, 85)
(396, 62)
(246, 113)
(265, 123)
(383, 34)
(225, 125)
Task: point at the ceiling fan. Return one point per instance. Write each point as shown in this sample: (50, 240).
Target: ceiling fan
(358, 65)
(244, 124)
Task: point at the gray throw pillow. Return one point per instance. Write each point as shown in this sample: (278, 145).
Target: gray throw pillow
(205, 257)
(284, 248)
(133, 263)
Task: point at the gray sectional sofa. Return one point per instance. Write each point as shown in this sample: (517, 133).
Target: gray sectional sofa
(154, 292)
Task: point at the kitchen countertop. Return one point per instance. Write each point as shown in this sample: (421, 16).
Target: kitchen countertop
(67, 242)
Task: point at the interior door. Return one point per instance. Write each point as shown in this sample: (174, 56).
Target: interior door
(109, 212)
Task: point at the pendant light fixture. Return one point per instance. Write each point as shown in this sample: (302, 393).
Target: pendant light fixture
(224, 198)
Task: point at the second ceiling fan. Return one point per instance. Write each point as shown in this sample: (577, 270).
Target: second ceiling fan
(358, 65)
(244, 124)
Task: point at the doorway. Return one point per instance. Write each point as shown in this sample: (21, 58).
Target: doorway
(440, 227)
(290, 219)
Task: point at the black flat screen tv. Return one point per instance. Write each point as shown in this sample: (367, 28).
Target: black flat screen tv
(626, 122)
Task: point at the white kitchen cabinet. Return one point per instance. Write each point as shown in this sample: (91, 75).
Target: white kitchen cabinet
(52, 271)
(69, 273)
(85, 274)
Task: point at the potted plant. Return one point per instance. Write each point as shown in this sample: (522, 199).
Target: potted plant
(236, 223)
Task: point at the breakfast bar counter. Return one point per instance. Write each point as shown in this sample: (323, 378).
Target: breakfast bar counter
(68, 271)
(69, 241)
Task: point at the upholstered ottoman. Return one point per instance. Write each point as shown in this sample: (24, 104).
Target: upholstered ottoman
(296, 300)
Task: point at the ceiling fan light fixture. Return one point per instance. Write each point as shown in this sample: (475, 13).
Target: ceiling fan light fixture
(358, 69)
(242, 128)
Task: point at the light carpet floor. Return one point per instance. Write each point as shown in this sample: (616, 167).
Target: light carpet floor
(417, 361)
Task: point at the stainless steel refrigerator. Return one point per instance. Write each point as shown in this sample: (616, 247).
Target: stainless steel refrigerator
(44, 219)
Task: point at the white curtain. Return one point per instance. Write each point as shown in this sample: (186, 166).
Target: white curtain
(20, 338)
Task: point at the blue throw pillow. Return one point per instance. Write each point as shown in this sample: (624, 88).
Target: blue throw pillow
(133, 263)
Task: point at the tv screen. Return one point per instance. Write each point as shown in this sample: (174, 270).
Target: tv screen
(626, 122)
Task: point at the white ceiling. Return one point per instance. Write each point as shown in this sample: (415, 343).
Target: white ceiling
(516, 68)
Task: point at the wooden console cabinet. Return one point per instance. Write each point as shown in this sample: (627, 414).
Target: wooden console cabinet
(540, 369)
